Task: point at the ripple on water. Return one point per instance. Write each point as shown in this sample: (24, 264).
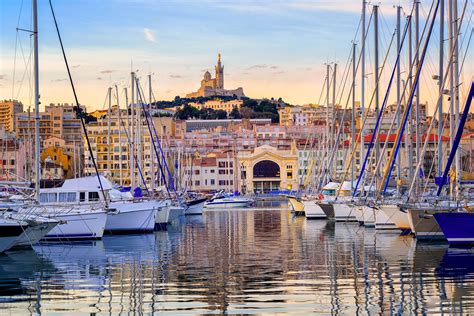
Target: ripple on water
(244, 262)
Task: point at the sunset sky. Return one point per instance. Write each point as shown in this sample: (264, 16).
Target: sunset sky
(271, 48)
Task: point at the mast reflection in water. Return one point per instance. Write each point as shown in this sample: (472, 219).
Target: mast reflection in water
(251, 261)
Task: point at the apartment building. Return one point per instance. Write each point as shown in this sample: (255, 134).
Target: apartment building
(8, 110)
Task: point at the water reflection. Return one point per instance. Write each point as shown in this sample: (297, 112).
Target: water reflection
(255, 261)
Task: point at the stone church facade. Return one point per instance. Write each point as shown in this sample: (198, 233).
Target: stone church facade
(215, 86)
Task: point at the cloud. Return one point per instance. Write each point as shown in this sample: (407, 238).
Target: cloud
(308, 69)
(278, 72)
(274, 67)
(168, 91)
(3, 77)
(76, 66)
(258, 66)
(58, 80)
(176, 76)
(107, 71)
(149, 35)
(99, 78)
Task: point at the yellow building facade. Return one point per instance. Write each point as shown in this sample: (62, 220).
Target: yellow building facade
(268, 169)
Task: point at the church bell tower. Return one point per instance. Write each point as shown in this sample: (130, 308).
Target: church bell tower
(219, 73)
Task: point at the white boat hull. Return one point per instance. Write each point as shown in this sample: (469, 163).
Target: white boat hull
(195, 209)
(382, 222)
(131, 217)
(313, 210)
(75, 224)
(224, 205)
(174, 213)
(396, 216)
(343, 212)
(368, 216)
(34, 233)
(162, 216)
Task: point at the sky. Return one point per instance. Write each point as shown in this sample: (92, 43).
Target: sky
(271, 48)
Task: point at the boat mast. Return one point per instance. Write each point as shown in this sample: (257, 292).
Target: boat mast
(354, 72)
(128, 127)
(399, 108)
(328, 128)
(451, 83)
(108, 127)
(119, 135)
(440, 83)
(417, 92)
(410, 114)
(362, 95)
(456, 92)
(152, 154)
(376, 77)
(36, 93)
(139, 131)
(333, 126)
(132, 130)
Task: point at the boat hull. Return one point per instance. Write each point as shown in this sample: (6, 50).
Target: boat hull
(9, 233)
(162, 216)
(423, 224)
(78, 226)
(34, 233)
(328, 210)
(344, 212)
(296, 206)
(195, 209)
(131, 217)
(225, 205)
(368, 216)
(397, 216)
(457, 227)
(383, 223)
(313, 210)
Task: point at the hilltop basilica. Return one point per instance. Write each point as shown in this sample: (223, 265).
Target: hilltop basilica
(215, 86)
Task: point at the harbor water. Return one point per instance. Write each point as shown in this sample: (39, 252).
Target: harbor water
(256, 261)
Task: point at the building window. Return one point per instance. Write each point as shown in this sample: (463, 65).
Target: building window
(289, 174)
(197, 182)
(213, 181)
(82, 196)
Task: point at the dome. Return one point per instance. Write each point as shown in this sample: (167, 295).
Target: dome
(207, 76)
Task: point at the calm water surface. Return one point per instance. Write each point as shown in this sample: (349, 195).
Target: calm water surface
(244, 262)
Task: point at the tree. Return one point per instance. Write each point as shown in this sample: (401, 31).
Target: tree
(187, 112)
(235, 114)
(246, 112)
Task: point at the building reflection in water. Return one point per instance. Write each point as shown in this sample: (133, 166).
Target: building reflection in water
(256, 261)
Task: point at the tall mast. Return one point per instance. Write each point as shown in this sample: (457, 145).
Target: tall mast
(132, 129)
(36, 93)
(139, 131)
(354, 45)
(328, 128)
(128, 127)
(362, 84)
(152, 152)
(417, 104)
(108, 127)
(399, 108)
(410, 116)
(376, 76)
(119, 135)
(456, 92)
(451, 81)
(440, 83)
(333, 126)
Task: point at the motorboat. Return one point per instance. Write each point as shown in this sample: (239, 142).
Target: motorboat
(195, 206)
(222, 200)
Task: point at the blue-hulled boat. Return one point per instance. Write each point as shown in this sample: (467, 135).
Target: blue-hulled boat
(457, 227)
